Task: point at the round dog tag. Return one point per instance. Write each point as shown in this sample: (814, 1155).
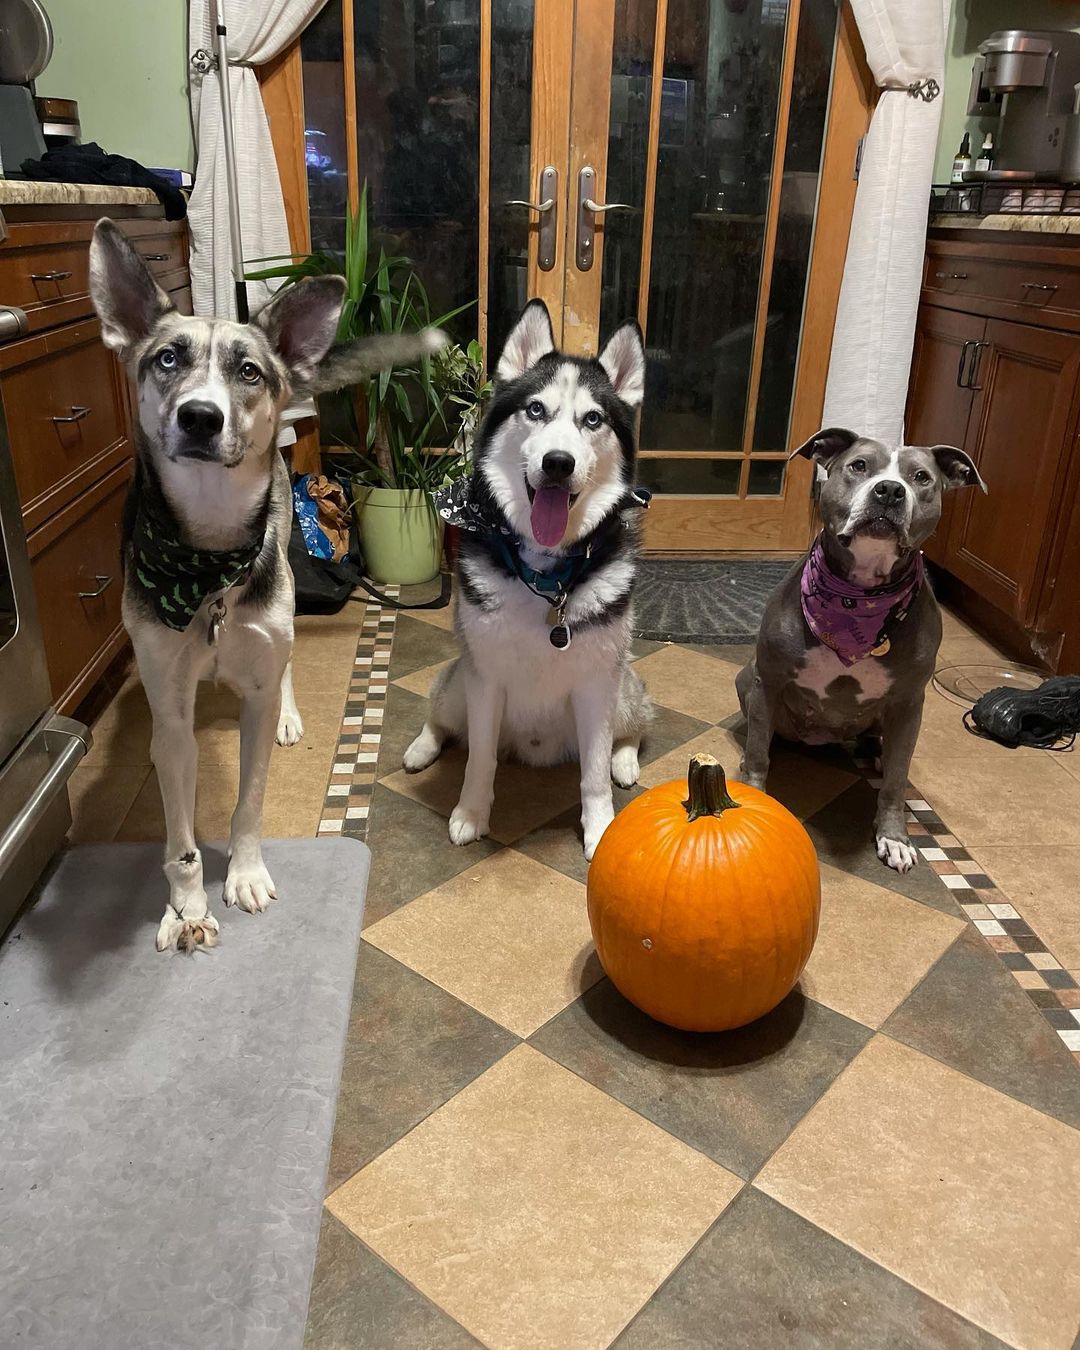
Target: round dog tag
(559, 637)
(882, 647)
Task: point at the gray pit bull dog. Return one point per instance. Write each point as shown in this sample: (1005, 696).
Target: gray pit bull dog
(849, 638)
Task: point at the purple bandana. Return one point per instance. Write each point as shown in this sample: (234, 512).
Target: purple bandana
(851, 619)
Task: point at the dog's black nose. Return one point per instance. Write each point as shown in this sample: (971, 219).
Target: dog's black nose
(200, 419)
(558, 465)
(889, 492)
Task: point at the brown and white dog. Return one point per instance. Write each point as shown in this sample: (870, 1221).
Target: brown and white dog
(208, 592)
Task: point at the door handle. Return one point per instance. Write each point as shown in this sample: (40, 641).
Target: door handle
(588, 209)
(49, 276)
(103, 585)
(547, 208)
(154, 257)
(973, 369)
(963, 362)
(77, 414)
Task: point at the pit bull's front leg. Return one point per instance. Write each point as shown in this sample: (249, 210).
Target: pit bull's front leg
(899, 731)
(759, 707)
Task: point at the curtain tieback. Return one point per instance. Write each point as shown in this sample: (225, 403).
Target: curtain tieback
(927, 89)
(203, 62)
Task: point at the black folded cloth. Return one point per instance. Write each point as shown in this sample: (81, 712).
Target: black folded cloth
(91, 164)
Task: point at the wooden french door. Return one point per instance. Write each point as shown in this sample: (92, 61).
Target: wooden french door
(688, 163)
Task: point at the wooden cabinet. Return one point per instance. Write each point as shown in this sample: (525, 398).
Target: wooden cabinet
(998, 373)
(69, 411)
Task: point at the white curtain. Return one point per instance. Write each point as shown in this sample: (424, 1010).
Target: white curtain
(879, 297)
(257, 31)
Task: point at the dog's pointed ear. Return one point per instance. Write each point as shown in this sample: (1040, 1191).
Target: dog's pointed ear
(957, 467)
(825, 445)
(530, 338)
(624, 360)
(127, 298)
(301, 321)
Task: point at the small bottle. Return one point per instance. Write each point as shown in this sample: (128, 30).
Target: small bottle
(985, 162)
(962, 160)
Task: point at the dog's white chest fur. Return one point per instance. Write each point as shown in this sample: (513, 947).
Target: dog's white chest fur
(822, 666)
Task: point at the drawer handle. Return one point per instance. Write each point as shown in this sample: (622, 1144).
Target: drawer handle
(951, 276)
(155, 257)
(1037, 286)
(49, 276)
(103, 585)
(77, 414)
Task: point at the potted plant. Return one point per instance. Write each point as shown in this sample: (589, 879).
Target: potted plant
(405, 432)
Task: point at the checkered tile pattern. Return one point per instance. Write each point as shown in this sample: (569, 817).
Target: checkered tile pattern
(1053, 990)
(352, 775)
(522, 1160)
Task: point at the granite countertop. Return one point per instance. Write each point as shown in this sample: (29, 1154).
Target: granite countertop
(24, 192)
(1012, 222)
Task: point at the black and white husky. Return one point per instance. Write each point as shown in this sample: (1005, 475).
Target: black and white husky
(208, 593)
(545, 573)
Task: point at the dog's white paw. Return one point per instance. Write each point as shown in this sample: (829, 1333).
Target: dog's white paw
(186, 934)
(249, 888)
(899, 854)
(624, 766)
(423, 751)
(467, 826)
(290, 729)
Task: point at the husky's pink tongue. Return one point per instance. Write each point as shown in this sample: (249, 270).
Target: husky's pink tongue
(550, 512)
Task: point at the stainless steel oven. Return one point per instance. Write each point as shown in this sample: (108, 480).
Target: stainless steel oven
(38, 749)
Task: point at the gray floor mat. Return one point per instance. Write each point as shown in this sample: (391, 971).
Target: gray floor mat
(703, 601)
(166, 1120)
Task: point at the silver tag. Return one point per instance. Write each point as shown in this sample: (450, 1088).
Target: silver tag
(217, 620)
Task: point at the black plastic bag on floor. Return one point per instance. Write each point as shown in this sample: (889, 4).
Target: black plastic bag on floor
(325, 587)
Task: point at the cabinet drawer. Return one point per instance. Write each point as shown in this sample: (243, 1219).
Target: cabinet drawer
(65, 416)
(1031, 286)
(47, 279)
(75, 560)
(162, 252)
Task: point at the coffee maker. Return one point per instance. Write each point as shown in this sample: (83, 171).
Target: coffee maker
(1029, 80)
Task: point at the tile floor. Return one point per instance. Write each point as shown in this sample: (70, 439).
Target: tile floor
(890, 1159)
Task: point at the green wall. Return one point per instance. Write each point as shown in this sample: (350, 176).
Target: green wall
(972, 21)
(125, 62)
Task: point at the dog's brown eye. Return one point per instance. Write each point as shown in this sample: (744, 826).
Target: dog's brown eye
(922, 477)
(858, 466)
(250, 372)
(166, 358)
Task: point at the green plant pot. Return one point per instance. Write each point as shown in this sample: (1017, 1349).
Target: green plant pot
(400, 532)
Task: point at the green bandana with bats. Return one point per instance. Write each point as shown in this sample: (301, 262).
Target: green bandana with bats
(176, 579)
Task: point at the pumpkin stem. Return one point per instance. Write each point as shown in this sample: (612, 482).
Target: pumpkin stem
(708, 793)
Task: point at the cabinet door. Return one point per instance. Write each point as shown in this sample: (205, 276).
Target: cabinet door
(938, 406)
(1023, 415)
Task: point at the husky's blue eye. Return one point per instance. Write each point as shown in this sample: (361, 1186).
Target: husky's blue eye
(592, 419)
(535, 410)
(166, 358)
(250, 372)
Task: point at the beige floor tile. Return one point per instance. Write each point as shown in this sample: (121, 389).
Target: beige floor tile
(691, 683)
(535, 1209)
(420, 681)
(438, 618)
(1044, 885)
(952, 625)
(100, 799)
(803, 785)
(1069, 761)
(1014, 800)
(524, 797)
(965, 1193)
(510, 937)
(873, 947)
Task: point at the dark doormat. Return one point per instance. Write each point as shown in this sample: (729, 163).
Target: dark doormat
(166, 1119)
(703, 601)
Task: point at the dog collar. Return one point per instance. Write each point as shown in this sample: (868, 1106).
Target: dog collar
(176, 579)
(855, 621)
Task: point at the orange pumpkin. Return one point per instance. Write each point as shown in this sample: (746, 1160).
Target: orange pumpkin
(704, 901)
